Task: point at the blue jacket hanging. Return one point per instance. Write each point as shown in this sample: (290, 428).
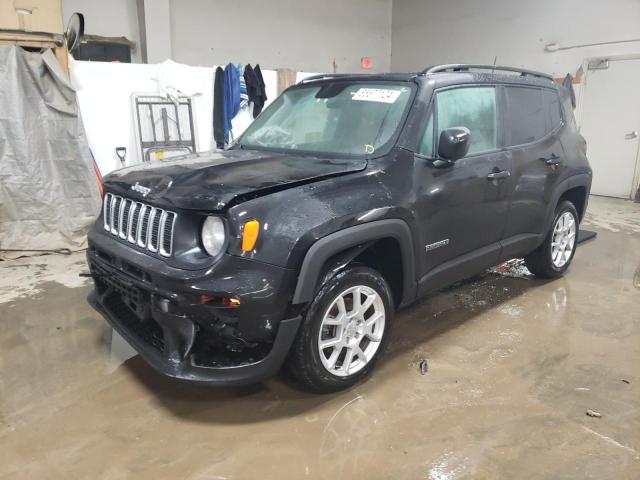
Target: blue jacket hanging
(231, 97)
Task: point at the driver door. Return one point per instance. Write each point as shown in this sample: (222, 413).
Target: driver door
(461, 207)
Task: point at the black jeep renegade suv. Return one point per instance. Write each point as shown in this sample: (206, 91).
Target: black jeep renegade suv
(349, 197)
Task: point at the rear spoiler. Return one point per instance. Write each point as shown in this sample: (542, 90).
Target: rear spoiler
(568, 84)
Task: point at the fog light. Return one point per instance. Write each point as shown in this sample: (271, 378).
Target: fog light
(231, 302)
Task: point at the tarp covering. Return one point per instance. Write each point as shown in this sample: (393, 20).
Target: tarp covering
(48, 191)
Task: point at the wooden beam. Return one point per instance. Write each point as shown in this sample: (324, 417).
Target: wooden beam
(30, 43)
(39, 40)
(15, 35)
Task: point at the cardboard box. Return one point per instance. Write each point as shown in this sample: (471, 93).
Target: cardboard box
(45, 16)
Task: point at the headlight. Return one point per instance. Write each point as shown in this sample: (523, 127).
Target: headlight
(213, 235)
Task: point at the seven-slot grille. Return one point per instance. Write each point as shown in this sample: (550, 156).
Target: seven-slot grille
(146, 226)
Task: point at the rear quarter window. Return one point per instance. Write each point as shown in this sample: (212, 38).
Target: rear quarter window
(554, 109)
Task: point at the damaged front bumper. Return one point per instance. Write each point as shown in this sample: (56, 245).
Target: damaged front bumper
(173, 360)
(184, 339)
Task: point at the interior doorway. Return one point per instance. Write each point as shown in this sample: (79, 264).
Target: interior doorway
(611, 126)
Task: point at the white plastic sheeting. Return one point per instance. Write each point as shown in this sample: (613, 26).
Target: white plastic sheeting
(105, 97)
(48, 191)
(105, 92)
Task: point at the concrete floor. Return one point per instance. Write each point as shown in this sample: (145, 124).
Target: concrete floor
(514, 364)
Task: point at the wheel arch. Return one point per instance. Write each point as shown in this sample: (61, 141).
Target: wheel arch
(576, 187)
(331, 253)
(578, 196)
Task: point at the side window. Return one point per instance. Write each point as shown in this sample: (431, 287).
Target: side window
(552, 101)
(471, 107)
(426, 146)
(525, 117)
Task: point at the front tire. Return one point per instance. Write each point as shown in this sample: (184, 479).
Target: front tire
(553, 257)
(344, 332)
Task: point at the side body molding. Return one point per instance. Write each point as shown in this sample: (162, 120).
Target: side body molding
(338, 241)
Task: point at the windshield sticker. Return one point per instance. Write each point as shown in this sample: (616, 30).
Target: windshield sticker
(369, 149)
(382, 95)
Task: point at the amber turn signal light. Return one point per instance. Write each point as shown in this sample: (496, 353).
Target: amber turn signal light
(250, 235)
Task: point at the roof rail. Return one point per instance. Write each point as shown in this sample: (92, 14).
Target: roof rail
(465, 67)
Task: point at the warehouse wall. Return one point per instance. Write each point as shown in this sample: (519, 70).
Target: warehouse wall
(115, 18)
(516, 31)
(304, 35)
(299, 34)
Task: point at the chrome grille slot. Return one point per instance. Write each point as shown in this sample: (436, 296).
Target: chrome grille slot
(105, 209)
(132, 230)
(144, 226)
(109, 213)
(123, 223)
(154, 225)
(166, 234)
(115, 215)
(140, 224)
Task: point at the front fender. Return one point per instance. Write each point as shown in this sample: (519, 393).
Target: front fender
(330, 245)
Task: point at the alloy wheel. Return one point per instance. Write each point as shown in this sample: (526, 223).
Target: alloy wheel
(351, 330)
(564, 238)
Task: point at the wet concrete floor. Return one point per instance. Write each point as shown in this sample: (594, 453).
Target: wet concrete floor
(514, 364)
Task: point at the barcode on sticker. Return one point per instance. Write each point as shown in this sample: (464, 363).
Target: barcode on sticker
(382, 95)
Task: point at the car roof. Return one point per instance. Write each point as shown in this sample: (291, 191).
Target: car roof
(449, 74)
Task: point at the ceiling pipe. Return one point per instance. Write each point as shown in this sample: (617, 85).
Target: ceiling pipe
(554, 47)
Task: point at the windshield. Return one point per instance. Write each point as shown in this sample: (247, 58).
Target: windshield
(357, 119)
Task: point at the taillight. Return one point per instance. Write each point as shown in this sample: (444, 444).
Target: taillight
(583, 146)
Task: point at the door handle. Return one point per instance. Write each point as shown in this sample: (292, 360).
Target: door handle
(499, 175)
(631, 136)
(552, 160)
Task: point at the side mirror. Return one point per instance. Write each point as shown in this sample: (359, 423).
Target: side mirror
(454, 143)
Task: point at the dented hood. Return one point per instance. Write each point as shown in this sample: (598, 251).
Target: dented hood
(214, 181)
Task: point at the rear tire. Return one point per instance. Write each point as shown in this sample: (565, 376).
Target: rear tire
(553, 257)
(341, 338)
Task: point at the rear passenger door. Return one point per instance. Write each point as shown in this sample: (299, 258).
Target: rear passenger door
(532, 124)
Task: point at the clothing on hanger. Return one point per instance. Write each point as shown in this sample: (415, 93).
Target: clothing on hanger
(218, 108)
(231, 97)
(255, 88)
(262, 92)
(244, 97)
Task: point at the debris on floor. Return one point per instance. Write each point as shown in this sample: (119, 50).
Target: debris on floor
(424, 366)
(594, 414)
(625, 381)
(513, 268)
